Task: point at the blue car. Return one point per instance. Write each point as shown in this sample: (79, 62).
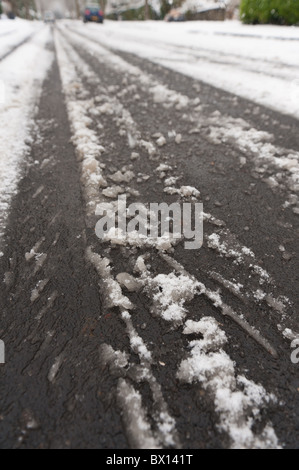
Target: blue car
(93, 13)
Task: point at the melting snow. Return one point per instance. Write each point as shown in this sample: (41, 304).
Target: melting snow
(238, 401)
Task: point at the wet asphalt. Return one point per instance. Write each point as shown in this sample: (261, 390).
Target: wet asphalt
(69, 321)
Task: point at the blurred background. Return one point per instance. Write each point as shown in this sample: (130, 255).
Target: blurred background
(284, 12)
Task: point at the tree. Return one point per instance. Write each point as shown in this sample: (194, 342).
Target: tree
(270, 11)
(77, 6)
(103, 5)
(14, 7)
(22, 7)
(165, 7)
(146, 11)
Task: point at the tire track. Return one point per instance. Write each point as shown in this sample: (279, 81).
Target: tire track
(243, 255)
(209, 55)
(20, 44)
(279, 167)
(52, 343)
(102, 117)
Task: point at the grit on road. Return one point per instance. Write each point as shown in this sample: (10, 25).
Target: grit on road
(134, 342)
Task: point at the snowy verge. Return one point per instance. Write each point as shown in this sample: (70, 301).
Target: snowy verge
(15, 32)
(22, 75)
(256, 63)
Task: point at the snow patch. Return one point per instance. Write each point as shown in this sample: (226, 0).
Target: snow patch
(135, 417)
(184, 191)
(238, 401)
(170, 293)
(111, 288)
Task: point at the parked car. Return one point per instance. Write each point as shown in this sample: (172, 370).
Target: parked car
(174, 15)
(93, 13)
(49, 17)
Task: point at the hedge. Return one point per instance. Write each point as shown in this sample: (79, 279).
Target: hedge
(283, 12)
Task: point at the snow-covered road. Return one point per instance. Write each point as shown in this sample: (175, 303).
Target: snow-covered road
(134, 341)
(14, 33)
(260, 64)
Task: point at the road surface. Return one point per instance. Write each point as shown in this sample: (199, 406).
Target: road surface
(137, 342)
